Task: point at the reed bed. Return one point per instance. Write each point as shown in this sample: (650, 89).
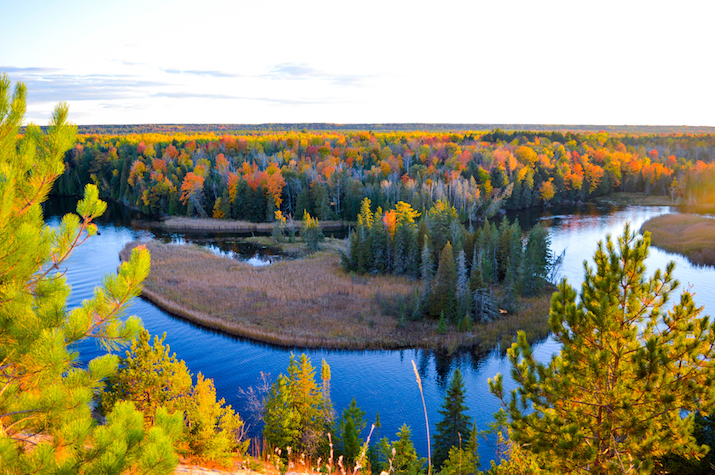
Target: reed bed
(690, 235)
(309, 303)
(641, 199)
(210, 224)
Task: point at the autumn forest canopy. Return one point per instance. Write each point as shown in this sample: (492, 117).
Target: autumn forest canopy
(249, 176)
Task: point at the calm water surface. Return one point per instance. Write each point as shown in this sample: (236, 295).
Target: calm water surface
(380, 381)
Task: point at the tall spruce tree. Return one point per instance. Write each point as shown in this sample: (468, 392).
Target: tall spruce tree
(537, 261)
(443, 298)
(454, 428)
(630, 375)
(350, 426)
(45, 416)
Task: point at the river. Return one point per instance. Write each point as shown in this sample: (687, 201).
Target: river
(380, 381)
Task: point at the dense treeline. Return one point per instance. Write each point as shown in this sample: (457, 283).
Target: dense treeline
(123, 129)
(328, 174)
(458, 268)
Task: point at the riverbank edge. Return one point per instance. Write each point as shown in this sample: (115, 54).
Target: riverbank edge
(469, 342)
(179, 223)
(684, 234)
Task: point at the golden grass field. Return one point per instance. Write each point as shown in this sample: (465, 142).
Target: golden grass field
(691, 235)
(310, 302)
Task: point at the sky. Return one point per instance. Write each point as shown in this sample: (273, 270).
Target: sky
(573, 62)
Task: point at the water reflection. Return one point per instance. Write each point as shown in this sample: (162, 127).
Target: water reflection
(380, 381)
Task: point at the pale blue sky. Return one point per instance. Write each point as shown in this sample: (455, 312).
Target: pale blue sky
(377, 61)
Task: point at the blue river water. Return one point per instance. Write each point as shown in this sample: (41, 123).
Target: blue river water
(380, 381)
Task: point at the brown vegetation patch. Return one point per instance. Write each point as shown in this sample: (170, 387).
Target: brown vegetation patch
(225, 225)
(635, 199)
(690, 235)
(310, 302)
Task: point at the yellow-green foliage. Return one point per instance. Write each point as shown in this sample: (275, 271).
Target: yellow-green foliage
(623, 391)
(151, 377)
(45, 397)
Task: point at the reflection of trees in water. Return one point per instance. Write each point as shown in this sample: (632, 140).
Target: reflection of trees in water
(446, 361)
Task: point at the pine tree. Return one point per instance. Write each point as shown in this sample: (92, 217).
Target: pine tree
(45, 399)
(455, 425)
(476, 279)
(350, 426)
(152, 378)
(537, 261)
(379, 238)
(629, 378)
(311, 232)
(295, 412)
(464, 300)
(443, 298)
(402, 453)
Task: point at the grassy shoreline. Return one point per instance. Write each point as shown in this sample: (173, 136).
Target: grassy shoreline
(177, 223)
(635, 199)
(690, 235)
(311, 303)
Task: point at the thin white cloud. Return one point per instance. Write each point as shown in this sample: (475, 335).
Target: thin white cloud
(293, 71)
(197, 72)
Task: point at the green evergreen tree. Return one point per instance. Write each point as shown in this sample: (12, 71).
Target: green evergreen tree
(379, 239)
(427, 273)
(629, 378)
(311, 232)
(151, 378)
(47, 426)
(460, 462)
(303, 203)
(463, 295)
(400, 457)
(537, 261)
(283, 424)
(441, 219)
(443, 298)
(295, 411)
(350, 426)
(455, 426)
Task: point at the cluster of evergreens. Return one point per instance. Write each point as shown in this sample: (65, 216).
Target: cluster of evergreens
(458, 268)
(299, 417)
(329, 173)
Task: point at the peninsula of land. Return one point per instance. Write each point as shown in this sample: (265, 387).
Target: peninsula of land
(690, 235)
(313, 303)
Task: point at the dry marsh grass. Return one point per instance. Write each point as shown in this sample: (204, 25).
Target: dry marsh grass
(688, 234)
(310, 302)
(224, 225)
(626, 199)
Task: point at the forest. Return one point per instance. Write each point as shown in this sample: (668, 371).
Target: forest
(629, 392)
(328, 174)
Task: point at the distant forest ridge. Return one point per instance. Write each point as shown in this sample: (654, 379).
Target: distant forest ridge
(403, 127)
